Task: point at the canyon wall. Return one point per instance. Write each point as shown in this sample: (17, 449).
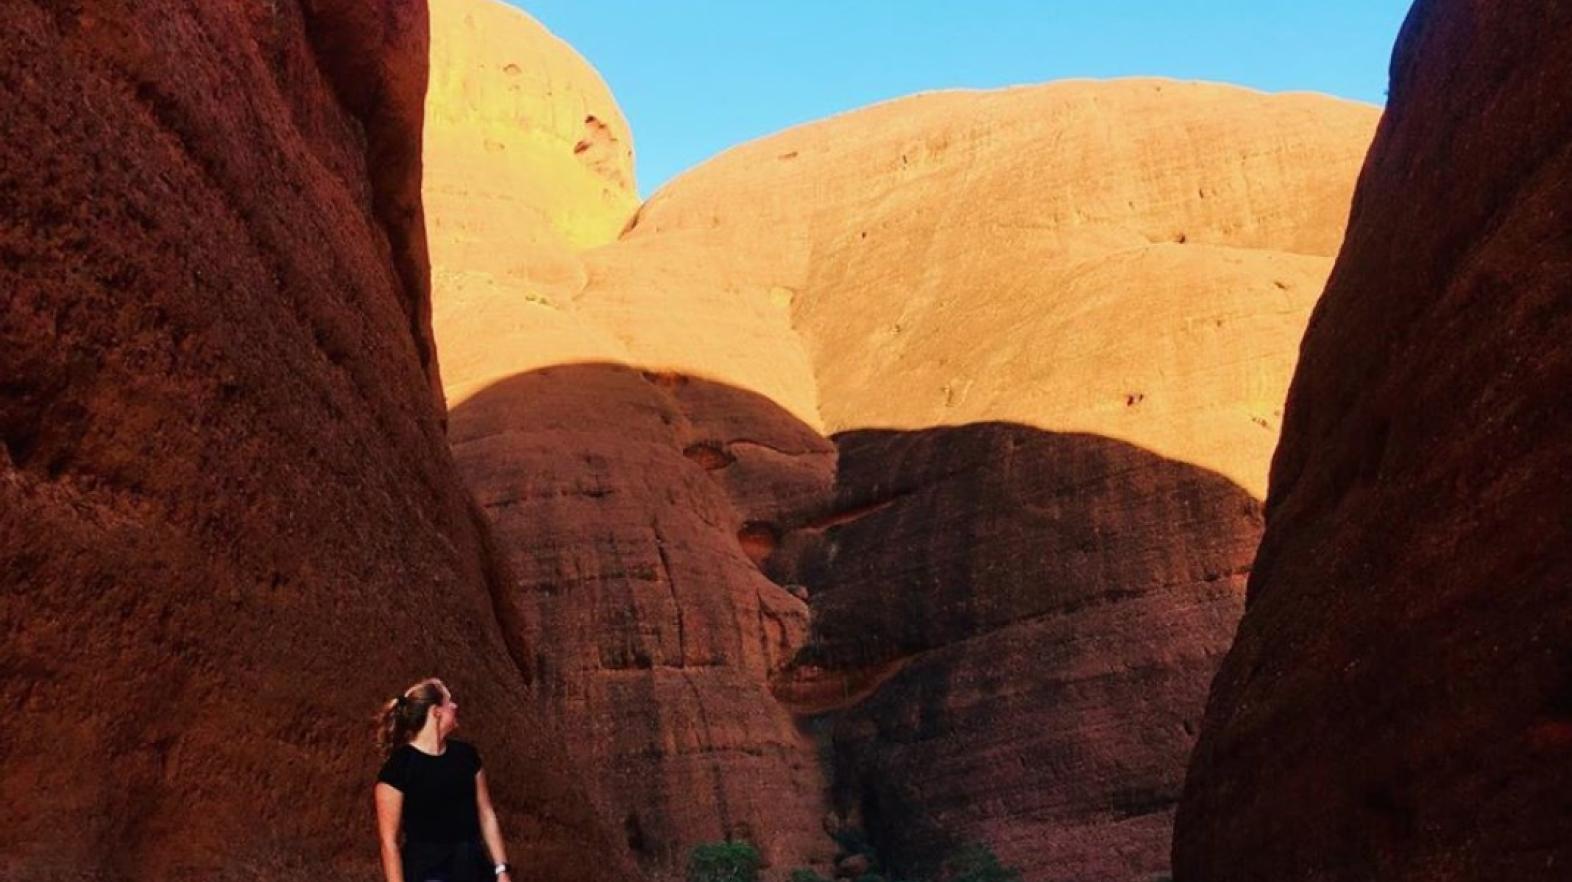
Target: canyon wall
(652, 631)
(625, 498)
(528, 161)
(1013, 631)
(1397, 704)
(1047, 331)
(229, 523)
(1050, 330)
(1132, 258)
(900, 467)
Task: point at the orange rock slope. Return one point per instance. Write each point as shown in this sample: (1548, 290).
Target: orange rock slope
(651, 632)
(1400, 681)
(1049, 329)
(528, 160)
(229, 522)
(1134, 258)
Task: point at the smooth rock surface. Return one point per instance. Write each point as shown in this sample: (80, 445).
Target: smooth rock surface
(527, 161)
(1132, 258)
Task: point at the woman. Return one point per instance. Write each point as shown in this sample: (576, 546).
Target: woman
(433, 787)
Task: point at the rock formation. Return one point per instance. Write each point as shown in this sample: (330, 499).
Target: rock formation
(626, 499)
(985, 610)
(528, 160)
(1134, 258)
(1397, 704)
(1017, 628)
(652, 632)
(1021, 584)
(229, 523)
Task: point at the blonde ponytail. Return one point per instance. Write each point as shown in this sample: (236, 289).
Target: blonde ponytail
(401, 718)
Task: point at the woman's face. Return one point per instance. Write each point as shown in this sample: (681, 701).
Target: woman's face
(446, 713)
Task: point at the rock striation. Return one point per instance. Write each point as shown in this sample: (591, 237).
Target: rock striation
(1396, 704)
(229, 522)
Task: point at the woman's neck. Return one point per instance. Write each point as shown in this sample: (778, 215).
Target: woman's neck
(429, 742)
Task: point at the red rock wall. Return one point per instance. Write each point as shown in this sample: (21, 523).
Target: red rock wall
(629, 503)
(1020, 626)
(1398, 702)
(229, 525)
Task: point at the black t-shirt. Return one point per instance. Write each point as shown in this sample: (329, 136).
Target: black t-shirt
(439, 791)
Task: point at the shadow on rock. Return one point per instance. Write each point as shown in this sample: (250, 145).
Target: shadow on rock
(1012, 631)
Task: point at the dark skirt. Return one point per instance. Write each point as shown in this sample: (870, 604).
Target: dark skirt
(463, 861)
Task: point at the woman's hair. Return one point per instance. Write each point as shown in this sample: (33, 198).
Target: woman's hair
(401, 718)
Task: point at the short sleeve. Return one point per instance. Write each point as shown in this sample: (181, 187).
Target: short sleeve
(395, 771)
(474, 758)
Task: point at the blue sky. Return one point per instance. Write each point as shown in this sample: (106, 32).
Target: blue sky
(697, 76)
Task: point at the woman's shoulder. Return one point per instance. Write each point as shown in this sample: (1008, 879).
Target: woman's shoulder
(393, 767)
(466, 750)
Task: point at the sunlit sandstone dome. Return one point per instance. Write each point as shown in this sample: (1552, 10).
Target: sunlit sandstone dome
(528, 161)
(640, 398)
(1139, 255)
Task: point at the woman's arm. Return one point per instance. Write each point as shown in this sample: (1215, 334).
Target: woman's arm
(489, 828)
(390, 805)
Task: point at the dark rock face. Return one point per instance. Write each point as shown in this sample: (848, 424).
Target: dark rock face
(635, 507)
(229, 523)
(1396, 704)
(1013, 634)
(997, 610)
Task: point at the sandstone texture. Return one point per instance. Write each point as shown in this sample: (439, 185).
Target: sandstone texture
(528, 160)
(628, 502)
(1016, 629)
(1047, 331)
(1133, 258)
(1397, 704)
(1073, 309)
(229, 522)
(619, 494)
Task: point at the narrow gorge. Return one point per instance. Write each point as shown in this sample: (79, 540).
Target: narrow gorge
(1039, 467)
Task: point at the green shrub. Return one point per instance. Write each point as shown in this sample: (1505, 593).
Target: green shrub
(803, 874)
(978, 863)
(735, 861)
